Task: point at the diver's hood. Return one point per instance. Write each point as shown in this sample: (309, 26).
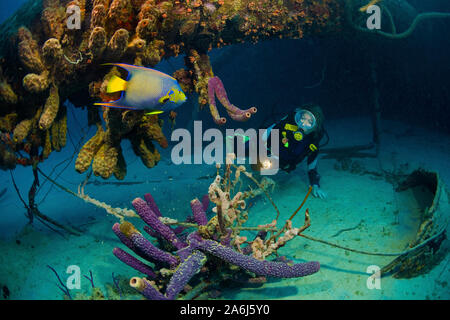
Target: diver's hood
(305, 120)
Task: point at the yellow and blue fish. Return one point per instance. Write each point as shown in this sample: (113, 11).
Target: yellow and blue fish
(145, 89)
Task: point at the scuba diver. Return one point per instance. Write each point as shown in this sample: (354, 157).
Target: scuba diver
(300, 133)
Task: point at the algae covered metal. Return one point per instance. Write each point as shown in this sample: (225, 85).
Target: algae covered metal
(430, 243)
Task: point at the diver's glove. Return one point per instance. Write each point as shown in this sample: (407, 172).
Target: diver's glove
(318, 193)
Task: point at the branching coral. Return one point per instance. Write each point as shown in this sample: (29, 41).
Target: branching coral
(181, 257)
(45, 62)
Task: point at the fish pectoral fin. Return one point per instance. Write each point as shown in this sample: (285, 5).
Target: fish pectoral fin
(116, 84)
(154, 112)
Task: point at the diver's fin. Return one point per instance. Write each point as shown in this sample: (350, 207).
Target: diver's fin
(116, 84)
(154, 112)
(112, 105)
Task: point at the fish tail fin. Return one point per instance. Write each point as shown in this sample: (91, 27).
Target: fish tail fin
(116, 84)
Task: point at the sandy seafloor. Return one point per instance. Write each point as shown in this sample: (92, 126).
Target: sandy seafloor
(351, 198)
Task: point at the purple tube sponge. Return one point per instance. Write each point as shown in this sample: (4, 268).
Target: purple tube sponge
(184, 273)
(151, 232)
(127, 241)
(147, 289)
(152, 204)
(212, 105)
(150, 218)
(123, 238)
(189, 257)
(198, 212)
(216, 88)
(184, 253)
(263, 268)
(205, 202)
(133, 262)
(151, 252)
(179, 230)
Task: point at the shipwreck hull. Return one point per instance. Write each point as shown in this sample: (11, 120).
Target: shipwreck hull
(430, 243)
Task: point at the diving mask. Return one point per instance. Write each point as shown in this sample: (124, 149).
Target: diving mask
(305, 120)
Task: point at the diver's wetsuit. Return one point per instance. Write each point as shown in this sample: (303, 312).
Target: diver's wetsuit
(298, 147)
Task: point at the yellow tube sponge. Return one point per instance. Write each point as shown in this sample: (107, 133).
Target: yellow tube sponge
(128, 229)
(146, 151)
(97, 42)
(8, 122)
(150, 129)
(88, 151)
(36, 83)
(118, 44)
(7, 94)
(120, 171)
(50, 110)
(47, 149)
(29, 53)
(105, 161)
(22, 130)
(59, 131)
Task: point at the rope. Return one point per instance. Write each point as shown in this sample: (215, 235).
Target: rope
(374, 253)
